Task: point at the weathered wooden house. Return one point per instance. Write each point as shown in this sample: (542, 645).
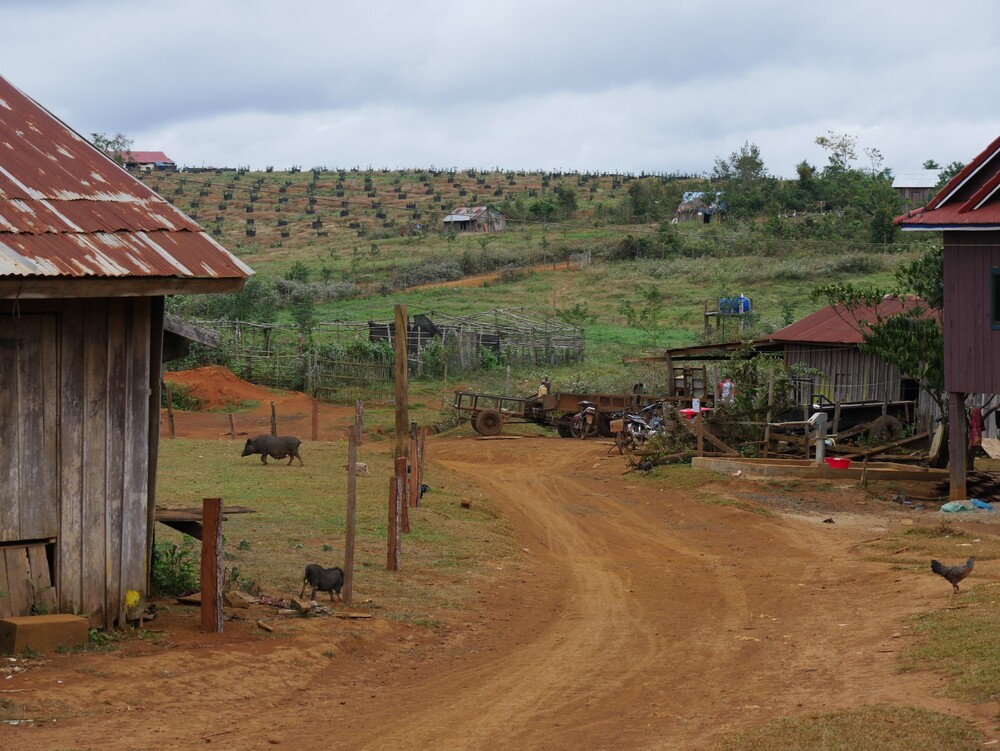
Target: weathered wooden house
(967, 212)
(475, 219)
(914, 188)
(87, 255)
(827, 345)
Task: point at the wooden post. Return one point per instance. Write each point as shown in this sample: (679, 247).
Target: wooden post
(392, 552)
(274, 421)
(421, 443)
(701, 434)
(401, 387)
(232, 427)
(770, 414)
(358, 413)
(170, 411)
(414, 475)
(211, 565)
(671, 386)
(957, 431)
(315, 418)
(352, 490)
(404, 512)
(835, 428)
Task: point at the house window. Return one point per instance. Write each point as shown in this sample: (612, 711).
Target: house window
(995, 298)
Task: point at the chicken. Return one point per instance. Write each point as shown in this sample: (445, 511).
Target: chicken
(954, 574)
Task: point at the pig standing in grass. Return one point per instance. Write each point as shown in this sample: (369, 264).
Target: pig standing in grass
(323, 580)
(278, 446)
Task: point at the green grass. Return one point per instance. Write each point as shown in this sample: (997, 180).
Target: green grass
(962, 643)
(871, 728)
(299, 519)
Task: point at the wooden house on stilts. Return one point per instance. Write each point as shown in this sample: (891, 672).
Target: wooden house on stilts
(87, 256)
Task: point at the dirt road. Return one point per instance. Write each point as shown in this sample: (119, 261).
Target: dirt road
(638, 618)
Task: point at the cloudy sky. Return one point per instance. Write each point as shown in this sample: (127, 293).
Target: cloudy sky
(619, 85)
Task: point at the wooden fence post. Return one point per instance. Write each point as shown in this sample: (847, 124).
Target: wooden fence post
(358, 413)
(232, 427)
(414, 475)
(421, 441)
(274, 421)
(170, 411)
(315, 418)
(211, 565)
(352, 486)
(701, 434)
(404, 512)
(770, 409)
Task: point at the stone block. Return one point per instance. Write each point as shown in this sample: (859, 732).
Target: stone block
(42, 633)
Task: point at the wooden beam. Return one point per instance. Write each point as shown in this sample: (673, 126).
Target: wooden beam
(885, 447)
(352, 485)
(211, 566)
(957, 432)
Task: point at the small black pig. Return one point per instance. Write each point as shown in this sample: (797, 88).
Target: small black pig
(323, 580)
(278, 446)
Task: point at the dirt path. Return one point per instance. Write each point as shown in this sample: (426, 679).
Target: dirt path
(637, 619)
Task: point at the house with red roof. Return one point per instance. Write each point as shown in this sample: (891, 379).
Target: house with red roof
(147, 161)
(967, 213)
(88, 255)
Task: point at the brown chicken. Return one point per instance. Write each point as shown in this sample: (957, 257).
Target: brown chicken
(954, 574)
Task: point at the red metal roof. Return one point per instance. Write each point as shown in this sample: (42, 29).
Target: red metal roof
(838, 324)
(970, 200)
(67, 210)
(147, 157)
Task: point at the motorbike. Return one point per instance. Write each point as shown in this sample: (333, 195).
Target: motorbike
(635, 428)
(584, 422)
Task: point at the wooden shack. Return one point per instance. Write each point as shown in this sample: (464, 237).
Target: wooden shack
(87, 256)
(967, 212)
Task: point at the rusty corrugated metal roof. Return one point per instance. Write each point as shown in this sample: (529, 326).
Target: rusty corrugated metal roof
(970, 200)
(67, 210)
(836, 324)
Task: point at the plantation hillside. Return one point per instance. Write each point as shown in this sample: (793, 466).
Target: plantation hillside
(598, 251)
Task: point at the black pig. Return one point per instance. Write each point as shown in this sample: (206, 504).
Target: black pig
(323, 580)
(278, 446)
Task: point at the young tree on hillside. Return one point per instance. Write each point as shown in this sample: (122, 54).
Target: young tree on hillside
(115, 146)
(745, 181)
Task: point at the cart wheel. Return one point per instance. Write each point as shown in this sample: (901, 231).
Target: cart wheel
(472, 421)
(489, 422)
(576, 429)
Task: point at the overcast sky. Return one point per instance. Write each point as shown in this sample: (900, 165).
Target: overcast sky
(619, 85)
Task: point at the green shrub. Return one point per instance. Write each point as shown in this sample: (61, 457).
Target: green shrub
(176, 568)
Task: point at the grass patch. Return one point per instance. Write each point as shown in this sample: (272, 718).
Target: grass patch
(719, 500)
(962, 643)
(878, 727)
(300, 516)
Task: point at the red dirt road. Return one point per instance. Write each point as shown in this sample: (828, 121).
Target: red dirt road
(636, 619)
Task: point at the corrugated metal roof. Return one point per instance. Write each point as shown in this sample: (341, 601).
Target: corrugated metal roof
(925, 178)
(67, 210)
(147, 157)
(970, 200)
(464, 213)
(838, 324)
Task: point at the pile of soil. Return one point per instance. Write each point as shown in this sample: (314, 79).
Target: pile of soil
(217, 387)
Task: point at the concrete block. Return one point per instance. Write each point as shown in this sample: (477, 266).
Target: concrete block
(42, 633)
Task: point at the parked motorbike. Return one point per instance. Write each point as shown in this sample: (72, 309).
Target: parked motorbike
(584, 422)
(636, 428)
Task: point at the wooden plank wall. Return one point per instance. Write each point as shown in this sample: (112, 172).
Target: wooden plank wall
(971, 345)
(83, 431)
(847, 373)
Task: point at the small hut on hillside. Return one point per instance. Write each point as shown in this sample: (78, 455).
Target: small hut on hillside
(475, 219)
(87, 255)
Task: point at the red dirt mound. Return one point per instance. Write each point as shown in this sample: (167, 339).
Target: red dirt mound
(217, 387)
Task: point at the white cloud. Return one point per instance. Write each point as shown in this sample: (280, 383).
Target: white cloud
(632, 86)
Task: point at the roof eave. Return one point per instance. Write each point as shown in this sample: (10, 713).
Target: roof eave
(25, 288)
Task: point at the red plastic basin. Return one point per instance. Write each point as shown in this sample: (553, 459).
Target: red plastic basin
(837, 462)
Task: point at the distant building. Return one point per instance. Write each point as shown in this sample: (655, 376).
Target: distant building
(476, 219)
(147, 161)
(699, 206)
(915, 188)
